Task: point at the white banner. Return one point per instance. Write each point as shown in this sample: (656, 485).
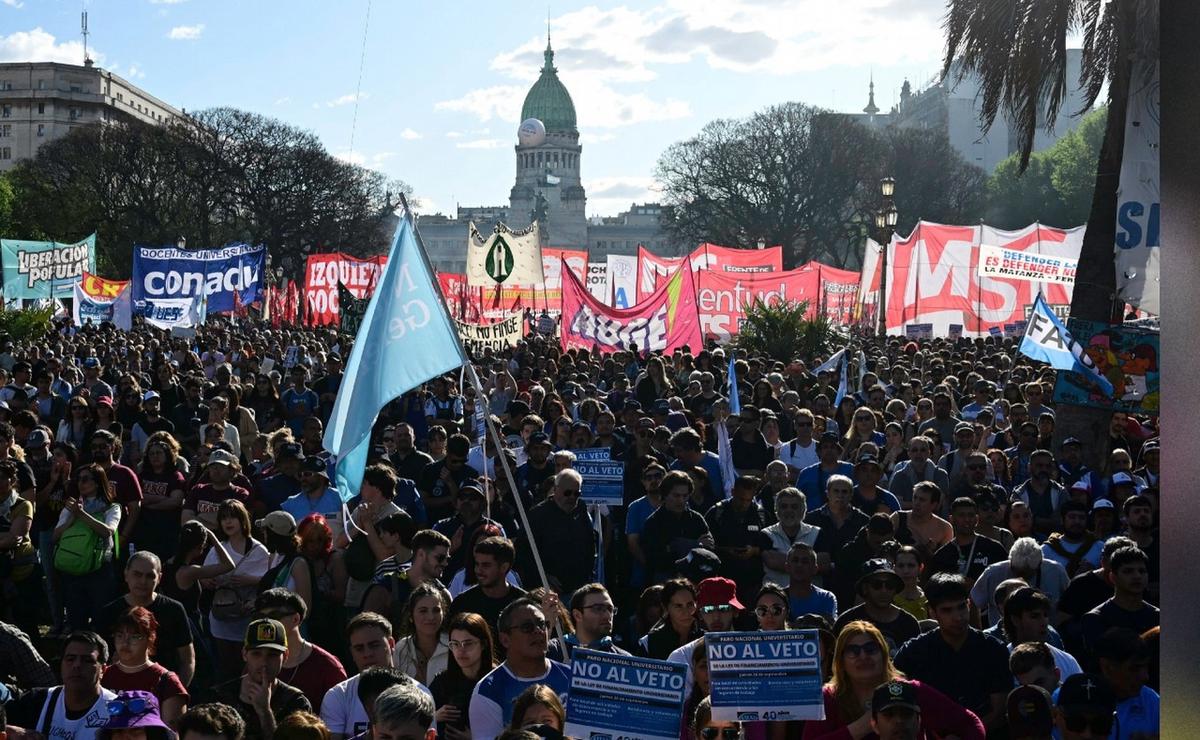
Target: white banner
(1038, 268)
(506, 257)
(597, 281)
(1137, 245)
(172, 313)
(622, 280)
(479, 337)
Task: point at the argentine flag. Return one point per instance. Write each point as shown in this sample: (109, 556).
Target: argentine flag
(1048, 341)
(404, 339)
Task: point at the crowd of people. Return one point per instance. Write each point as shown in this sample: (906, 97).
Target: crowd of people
(176, 561)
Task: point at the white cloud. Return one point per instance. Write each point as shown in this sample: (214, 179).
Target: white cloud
(283, 101)
(39, 46)
(409, 135)
(343, 100)
(481, 144)
(13, 3)
(593, 138)
(186, 33)
(370, 161)
(608, 196)
(606, 57)
(454, 134)
(135, 73)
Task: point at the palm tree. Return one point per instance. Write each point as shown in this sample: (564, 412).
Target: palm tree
(1018, 50)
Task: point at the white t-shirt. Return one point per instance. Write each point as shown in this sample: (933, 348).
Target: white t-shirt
(801, 457)
(343, 713)
(84, 728)
(255, 563)
(458, 583)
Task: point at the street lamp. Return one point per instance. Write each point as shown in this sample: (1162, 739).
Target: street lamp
(886, 219)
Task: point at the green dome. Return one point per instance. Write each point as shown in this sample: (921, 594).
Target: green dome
(548, 100)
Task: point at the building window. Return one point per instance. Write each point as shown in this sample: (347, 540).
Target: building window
(41, 109)
(5, 85)
(41, 129)
(5, 152)
(76, 88)
(73, 113)
(121, 97)
(41, 85)
(6, 112)
(5, 131)
(539, 159)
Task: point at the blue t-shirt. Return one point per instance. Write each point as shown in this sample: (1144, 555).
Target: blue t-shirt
(1138, 714)
(293, 400)
(635, 522)
(300, 505)
(492, 701)
(819, 601)
(882, 496)
(811, 481)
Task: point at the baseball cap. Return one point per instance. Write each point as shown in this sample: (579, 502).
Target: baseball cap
(645, 423)
(868, 459)
(830, 437)
(698, 564)
(717, 591)
(963, 426)
(265, 633)
(1122, 478)
(471, 486)
(278, 522)
(104, 401)
(37, 438)
(92, 362)
(879, 566)
(662, 406)
(222, 457)
(895, 694)
(314, 464)
(1103, 503)
(149, 395)
(632, 405)
(1086, 691)
(1069, 441)
(1029, 712)
(131, 709)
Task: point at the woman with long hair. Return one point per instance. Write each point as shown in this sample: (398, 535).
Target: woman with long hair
(679, 624)
(287, 567)
(895, 448)
(654, 385)
(424, 651)
(437, 443)
(135, 634)
(88, 523)
(76, 429)
(771, 608)
(474, 656)
(560, 433)
(862, 429)
(162, 499)
(763, 397)
(233, 600)
(844, 414)
(861, 663)
(263, 399)
(316, 547)
(48, 506)
(242, 417)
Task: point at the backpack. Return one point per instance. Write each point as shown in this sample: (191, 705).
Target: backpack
(81, 550)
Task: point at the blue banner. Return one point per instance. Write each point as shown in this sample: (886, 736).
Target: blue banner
(592, 454)
(45, 269)
(765, 676)
(603, 477)
(167, 272)
(617, 696)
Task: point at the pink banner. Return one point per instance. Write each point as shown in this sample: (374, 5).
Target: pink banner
(722, 297)
(666, 320)
(651, 267)
(933, 277)
(322, 274)
(838, 294)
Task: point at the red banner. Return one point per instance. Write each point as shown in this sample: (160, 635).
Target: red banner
(322, 275)
(722, 297)
(933, 277)
(666, 320)
(837, 297)
(707, 256)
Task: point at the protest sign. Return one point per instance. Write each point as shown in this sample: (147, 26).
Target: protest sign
(45, 269)
(1011, 263)
(665, 321)
(955, 332)
(1127, 357)
(593, 454)
(919, 331)
(167, 272)
(324, 272)
(603, 481)
(765, 676)
(617, 696)
(479, 337)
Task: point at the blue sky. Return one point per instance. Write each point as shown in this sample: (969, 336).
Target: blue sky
(442, 83)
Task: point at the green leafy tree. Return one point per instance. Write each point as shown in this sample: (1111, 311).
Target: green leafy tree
(1018, 50)
(781, 331)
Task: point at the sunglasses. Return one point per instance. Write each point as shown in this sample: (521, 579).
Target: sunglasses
(717, 609)
(571, 492)
(725, 733)
(462, 644)
(530, 627)
(880, 584)
(1100, 725)
(123, 707)
(867, 649)
(763, 611)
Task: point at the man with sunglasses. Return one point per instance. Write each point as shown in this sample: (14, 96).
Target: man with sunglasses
(537, 468)
(1085, 707)
(524, 635)
(801, 451)
(878, 586)
(636, 516)
(916, 469)
(75, 710)
(1020, 456)
(388, 594)
(562, 530)
(440, 480)
(1045, 497)
(593, 612)
(751, 453)
(316, 496)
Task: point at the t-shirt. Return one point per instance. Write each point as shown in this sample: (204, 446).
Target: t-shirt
(315, 675)
(1109, 615)
(206, 500)
(797, 455)
(342, 712)
(1085, 592)
(952, 557)
(299, 405)
(123, 482)
(819, 601)
(32, 710)
(969, 675)
(285, 701)
(492, 700)
(1138, 716)
(474, 600)
(1051, 580)
(897, 632)
(174, 631)
(156, 679)
(328, 505)
(1092, 558)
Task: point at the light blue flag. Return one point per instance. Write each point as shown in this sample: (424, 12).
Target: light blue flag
(1047, 340)
(829, 364)
(843, 386)
(405, 338)
(735, 401)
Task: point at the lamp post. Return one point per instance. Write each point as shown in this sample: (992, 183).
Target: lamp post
(885, 225)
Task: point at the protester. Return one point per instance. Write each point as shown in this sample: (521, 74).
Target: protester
(136, 638)
(474, 655)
